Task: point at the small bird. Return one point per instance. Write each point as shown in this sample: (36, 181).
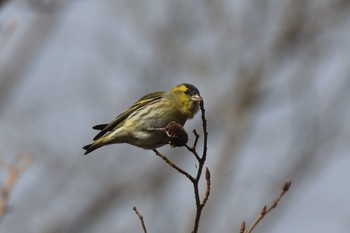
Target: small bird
(139, 125)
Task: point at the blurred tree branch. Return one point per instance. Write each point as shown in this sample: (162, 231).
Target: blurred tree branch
(6, 32)
(3, 2)
(14, 170)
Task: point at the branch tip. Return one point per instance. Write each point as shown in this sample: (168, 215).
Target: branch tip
(207, 174)
(242, 227)
(141, 219)
(287, 186)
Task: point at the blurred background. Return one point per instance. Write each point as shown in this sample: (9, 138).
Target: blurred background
(275, 77)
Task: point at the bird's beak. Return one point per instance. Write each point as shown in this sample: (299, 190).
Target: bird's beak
(196, 98)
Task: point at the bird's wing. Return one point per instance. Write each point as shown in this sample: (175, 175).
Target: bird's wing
(146, 100)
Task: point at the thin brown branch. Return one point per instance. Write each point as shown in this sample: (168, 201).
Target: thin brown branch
(196, 138)
(266, 210)
(193, 151)
(198, 206)
(15, 169)
(205, 131)
(173, 165)
(141, 219)
(201, 161)
(194, 146)
(204, 154)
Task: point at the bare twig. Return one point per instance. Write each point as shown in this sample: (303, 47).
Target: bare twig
(201, 162)
(173, 165)
(194, 146)
(266, 210)
(15, 169)
(141, 219)
(205, 131)
(193, 151)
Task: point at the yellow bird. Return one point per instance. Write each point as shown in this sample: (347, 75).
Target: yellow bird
(139, 124)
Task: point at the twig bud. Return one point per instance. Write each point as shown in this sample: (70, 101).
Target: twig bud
(287, 186)
(263, 211)
(207, 174)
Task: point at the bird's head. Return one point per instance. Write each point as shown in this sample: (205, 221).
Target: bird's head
(188, 97)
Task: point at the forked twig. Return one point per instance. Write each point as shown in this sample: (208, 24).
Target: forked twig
(201, 160)
(194, 146)
(193, 151)
(266, 210)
